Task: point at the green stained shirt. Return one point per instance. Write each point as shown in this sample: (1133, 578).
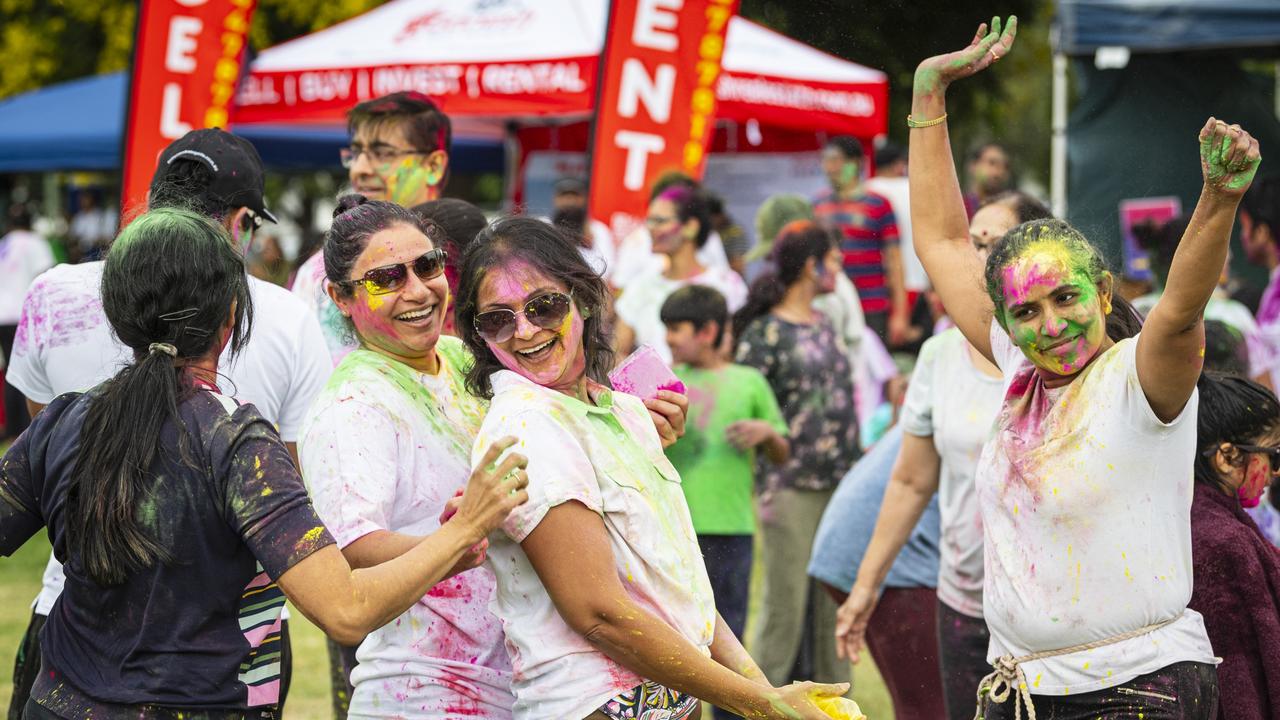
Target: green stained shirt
(718, 478)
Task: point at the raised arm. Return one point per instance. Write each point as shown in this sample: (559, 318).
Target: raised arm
(569, 549)
(1170, 350)
(939, 224)
(348, 604)
(911, 486)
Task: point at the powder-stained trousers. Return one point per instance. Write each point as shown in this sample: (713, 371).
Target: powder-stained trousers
(794, 632)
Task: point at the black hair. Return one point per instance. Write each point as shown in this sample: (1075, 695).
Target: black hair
(19, 217)
(1232, 410)
(847, 145)
(889, 153)
(547, 249)
(797, 243)
(460, 220)
(355, 220)
(425, 126)
(171, 277)
(1122, 322)
(188, 185)
(670, 179)
(697, 304)
(1160, 242)
(690, 204)
(1025, 207)
(573, 221)
(1262, 202)
(976, 151)
(1225, 351)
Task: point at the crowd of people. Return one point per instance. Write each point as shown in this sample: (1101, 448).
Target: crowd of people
(1067, 508)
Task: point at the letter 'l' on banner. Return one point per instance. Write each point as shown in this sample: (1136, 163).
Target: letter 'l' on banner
(186, 64)
(656, 104)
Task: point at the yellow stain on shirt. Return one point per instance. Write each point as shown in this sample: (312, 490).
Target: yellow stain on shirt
(266, 491)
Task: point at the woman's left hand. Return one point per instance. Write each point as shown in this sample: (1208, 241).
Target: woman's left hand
(1229, 157)
(668, 411)
(989, 44)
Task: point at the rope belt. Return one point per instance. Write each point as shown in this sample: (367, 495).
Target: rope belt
(1007, 679)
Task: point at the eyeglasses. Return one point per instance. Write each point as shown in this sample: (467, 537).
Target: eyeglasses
(378, 154)
(390, 278)
(1273, 453)
(545, 311)
(654, 221)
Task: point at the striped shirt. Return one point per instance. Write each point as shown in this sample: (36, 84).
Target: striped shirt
(866, 227)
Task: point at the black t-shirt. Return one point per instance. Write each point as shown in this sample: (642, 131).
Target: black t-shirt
(202, 631)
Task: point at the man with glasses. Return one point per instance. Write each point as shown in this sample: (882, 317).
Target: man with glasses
(65, 344)
(399, 152)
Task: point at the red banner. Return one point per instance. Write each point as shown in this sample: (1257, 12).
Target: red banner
(657, 103)
(185, 69)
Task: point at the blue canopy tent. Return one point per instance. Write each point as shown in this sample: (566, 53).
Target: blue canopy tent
(1149, 73)
(79, 125)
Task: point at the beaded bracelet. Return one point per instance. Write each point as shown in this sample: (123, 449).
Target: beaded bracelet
(912, 123)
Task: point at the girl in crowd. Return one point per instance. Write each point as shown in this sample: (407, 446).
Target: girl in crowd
(1091, 457)
(385, 447)
(951, 403)
(172, 507)
(1237, 571)
(795, 348)
(602, 592)
(680, 223)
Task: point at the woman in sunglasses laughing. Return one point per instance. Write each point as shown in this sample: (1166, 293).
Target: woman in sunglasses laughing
(386, 446)
(601, 588)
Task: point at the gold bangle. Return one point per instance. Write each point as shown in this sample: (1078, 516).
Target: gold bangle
(912, 123)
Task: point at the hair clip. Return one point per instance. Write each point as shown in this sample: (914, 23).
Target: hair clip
(178, 315)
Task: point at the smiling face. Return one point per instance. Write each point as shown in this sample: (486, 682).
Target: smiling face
(409, 179)
(552, 358)
(404, 324)
(1052, 309)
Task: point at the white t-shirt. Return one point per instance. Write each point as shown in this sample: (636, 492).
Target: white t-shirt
(384, 448)
(955, 403)
(609, 458)
(640, 304)
(64, 344)
(309, 287)
(637, 259)
(23, 256)
(1086, 511)
(897, 190)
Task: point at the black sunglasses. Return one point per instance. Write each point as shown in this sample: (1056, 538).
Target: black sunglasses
(390, 278)
(546, 311)
(1273, 453)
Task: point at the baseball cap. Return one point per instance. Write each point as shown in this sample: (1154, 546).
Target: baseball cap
(237, 169)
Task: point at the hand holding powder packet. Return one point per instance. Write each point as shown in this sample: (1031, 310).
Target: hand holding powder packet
(643, 374)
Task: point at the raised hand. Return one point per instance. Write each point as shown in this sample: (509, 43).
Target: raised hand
(989, 44)
(1229, 157)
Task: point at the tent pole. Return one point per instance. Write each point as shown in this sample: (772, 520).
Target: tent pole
(1058, 152)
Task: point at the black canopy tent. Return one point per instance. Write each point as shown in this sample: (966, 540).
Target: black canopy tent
(1131, 133)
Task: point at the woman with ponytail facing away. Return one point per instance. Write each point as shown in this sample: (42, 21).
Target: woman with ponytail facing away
(795, 348)
(173, 508)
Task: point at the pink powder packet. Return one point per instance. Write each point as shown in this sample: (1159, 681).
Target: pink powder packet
(643, 374)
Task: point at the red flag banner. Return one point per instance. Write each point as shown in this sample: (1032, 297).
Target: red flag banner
(185, 68)
(657, 103)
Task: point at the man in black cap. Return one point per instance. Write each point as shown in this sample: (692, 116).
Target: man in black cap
(68, 346)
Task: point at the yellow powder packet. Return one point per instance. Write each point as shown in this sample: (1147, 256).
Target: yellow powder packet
(838, 708)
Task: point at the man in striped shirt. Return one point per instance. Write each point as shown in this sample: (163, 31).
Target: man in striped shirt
(868, 234)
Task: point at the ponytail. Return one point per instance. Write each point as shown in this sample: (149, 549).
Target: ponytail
(168, 285)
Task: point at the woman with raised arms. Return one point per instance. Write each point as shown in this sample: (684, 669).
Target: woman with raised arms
(1086, 484)
(602, 591)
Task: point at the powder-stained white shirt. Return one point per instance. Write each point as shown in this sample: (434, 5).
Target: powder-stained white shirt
(956, 403)
(384, 448)
(608, 457)
(1086, 509)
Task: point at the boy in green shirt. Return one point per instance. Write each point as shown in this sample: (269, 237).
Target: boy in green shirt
(732, 413)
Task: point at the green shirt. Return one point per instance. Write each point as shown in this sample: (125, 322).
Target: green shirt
(717, 477)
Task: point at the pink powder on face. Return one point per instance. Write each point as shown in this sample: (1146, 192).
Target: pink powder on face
(513, 285)
(1024, 275)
